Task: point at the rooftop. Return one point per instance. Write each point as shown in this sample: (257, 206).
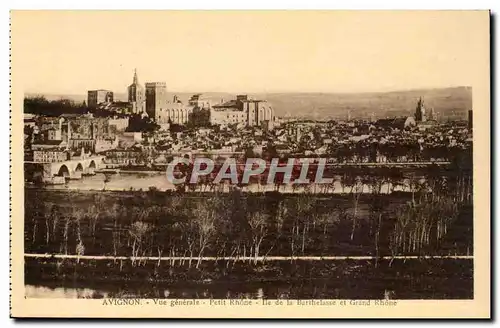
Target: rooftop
(227, 104)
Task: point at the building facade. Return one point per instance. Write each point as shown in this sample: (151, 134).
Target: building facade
(132, 156)
(75, 132)
(156, 98)
(243, 110)
(54, 134)
(399, 123)
(199, 101)
(136, 96)
(121, 124)
(97, 97)
(228, 116)
(174, 113)
(50, 155)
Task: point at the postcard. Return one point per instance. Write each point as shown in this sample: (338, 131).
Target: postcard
(250, 164)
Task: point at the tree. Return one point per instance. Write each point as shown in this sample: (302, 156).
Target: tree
(52, 215)
(377, 208)
(67, 223)
(78, 214)
(356, 189)
(137, 123)
(39, 105)
(258, 222)
(138, 232)
(115, 213)
(204, 221)
(301, 217)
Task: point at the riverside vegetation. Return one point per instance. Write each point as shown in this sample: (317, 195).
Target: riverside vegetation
(177, 231)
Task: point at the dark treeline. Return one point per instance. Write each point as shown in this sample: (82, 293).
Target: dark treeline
(41, 106)
(153, 223)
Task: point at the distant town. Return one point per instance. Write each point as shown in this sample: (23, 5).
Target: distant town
(65, 140)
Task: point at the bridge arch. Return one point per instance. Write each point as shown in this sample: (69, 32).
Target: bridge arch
(79, 167)
(92, 164)
(63, 171)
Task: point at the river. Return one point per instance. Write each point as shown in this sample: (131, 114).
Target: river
(350, 281)
(122, 181)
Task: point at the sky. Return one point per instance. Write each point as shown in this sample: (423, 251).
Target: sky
(70, 52)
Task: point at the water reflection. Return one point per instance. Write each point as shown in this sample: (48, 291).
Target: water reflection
(454, 281)
(310, 289)
(34, 291)
(62, 292)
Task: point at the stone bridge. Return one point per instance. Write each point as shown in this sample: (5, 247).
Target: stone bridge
(73, 168)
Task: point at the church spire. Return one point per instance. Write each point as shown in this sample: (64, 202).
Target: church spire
(136, 80)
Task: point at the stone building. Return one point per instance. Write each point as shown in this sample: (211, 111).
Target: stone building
(244, 110)
(98, 97)
(54, 134)
(121, 124)
(227, 116)
(201, 110)
(174, 112)
(420, 114)
(399, 123)
(431, 115)
(156, 98)
(199, 101)
(131, 156)
(136, 95)
(80, 131)
(50, 155)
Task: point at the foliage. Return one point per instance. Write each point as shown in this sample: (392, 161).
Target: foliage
(137, 123)
(39, 105)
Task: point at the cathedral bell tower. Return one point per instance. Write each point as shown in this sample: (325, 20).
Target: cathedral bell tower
(136, 95)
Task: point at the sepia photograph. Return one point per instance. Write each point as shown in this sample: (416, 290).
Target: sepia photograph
(250, 159)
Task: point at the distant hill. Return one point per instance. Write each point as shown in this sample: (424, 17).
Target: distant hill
(450, 103)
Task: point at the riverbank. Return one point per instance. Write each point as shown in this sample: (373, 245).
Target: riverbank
(392, 179)
(397, 279)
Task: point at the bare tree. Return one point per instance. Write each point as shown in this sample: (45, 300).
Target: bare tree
(138, 232)
(114, 212)
(258, 222)
(204, 216)
(356, 190)
(67, 223)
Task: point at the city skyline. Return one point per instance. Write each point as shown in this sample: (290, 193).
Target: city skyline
(337, 52)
